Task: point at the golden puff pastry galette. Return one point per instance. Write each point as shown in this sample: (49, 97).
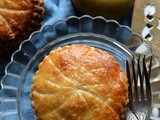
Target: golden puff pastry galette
(18, 19)
(79, 82)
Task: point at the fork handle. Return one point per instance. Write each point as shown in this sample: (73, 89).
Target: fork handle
(136, 117)
(142, 116)
(133, 117)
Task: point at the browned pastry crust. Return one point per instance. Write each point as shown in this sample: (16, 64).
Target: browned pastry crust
(79, 82)
(18, 19)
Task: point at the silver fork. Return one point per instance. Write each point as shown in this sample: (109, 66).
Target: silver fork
(140, 97)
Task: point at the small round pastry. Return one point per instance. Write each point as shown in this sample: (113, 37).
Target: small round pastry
(18, 19)
(79, 82)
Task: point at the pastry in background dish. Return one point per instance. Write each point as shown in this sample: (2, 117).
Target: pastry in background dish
(79, 82)
(18, 19)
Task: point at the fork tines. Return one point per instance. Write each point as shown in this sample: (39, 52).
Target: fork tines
(140, 96)
(139, 77)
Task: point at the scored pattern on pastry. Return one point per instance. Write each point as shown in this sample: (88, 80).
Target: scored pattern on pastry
(79, 82)
(18, 19)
